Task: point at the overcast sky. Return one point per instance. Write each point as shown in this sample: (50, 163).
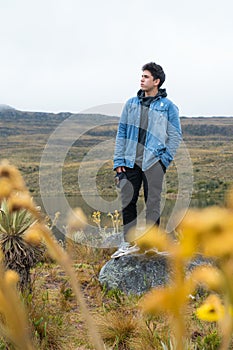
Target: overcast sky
(71, 55)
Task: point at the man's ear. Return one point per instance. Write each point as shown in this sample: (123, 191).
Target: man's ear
(156, 82)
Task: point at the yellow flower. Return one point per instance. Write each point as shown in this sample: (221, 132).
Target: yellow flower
(153, 237)
(206, 229)
(116, 214)
(156, 301)
(169, 299)
(96, 218)
(189, 232)
(76, 220)
(186, 247)
(11, 173)
(212, 310)
(11, 278)
(219, 246)
(208, 276)
(22, 200)
(5, 188)
(33, 235)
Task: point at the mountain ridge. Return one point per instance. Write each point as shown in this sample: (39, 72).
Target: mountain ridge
(14, 122)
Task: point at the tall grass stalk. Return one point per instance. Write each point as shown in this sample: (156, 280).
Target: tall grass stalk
(13, 326)
(63, 259)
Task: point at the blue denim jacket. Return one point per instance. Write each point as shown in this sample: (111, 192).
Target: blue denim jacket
(163, 133)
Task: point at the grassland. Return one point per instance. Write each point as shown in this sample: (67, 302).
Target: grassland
(53, 311)
(24, 136)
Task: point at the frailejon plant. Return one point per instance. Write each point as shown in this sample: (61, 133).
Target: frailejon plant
(14, 192)
(19, 241)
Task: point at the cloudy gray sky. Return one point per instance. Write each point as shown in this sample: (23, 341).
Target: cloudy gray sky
(71, 55)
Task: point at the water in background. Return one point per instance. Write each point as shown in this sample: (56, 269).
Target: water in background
(56, 205)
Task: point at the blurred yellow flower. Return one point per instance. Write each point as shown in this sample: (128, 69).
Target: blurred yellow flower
(5, 188)
(11, 278)
(33, 235)
(76, 220)
(219, 246)
(14, 323)
(189, 231)
(22, 200)
(153, 237)
(211, 310)
(54, 249)
(206, 231)
(208, 276)
(11, 173)
(169, 299)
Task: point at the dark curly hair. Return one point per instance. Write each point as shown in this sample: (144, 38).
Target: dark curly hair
(156, 70)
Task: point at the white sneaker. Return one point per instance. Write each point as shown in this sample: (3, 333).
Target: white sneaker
(156, 251)
(125, 249)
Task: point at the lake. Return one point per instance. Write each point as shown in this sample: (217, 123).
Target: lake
(172, 211)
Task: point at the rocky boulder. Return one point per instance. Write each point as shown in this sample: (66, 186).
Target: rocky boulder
(136, 274)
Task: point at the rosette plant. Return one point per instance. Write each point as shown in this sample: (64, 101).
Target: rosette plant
(18, 252)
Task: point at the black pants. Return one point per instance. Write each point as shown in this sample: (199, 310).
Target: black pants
(152, 180)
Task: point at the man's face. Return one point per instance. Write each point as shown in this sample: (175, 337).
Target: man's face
(148, 83)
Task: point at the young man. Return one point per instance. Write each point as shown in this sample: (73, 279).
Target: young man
(148, 136)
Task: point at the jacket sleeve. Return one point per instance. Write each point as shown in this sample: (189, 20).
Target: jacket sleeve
(174, 135)
(119, 154)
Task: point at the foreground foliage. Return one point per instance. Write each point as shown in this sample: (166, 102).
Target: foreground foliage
(65, 302)
(19, 254)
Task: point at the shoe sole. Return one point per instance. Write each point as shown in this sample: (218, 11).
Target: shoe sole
(127, 252)
(157, 252)
(137, 252)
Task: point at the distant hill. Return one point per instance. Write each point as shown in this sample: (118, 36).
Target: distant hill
(14, 122)
(211, 126)
(5, 107)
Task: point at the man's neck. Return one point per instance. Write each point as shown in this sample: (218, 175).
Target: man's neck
(151, 93)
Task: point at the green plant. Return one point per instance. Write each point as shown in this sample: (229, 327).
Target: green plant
(4, 345)
(18, 254)
(67, 293)
(211, 341)
(171, 345)
(112, 299)
(47, 323)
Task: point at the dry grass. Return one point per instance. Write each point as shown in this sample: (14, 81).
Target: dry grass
(118, 328)
(118, 317)
(56, 320)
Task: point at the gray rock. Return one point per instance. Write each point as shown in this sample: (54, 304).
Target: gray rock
(199, 260)
(113, 241)
(136, 274)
